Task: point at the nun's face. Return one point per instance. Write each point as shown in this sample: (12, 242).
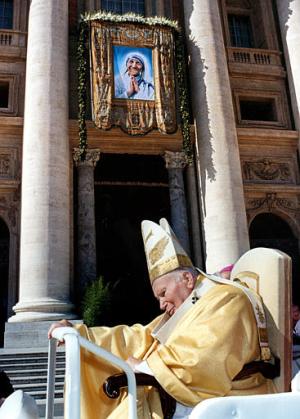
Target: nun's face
(134, 67)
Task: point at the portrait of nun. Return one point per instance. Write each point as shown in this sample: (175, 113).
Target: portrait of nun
(133, 73)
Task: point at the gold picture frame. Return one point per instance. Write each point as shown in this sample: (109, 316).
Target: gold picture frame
(152, 104)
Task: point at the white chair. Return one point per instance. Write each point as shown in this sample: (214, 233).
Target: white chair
(267, 406)
(267, 271)
(19, 405)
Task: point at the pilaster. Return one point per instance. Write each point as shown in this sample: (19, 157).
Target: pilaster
(86, 231)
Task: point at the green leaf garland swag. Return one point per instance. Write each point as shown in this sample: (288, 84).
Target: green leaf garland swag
(82, 81)
(180, 62)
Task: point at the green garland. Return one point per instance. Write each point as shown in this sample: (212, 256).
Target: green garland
(183, 96)
(82, 82)
(130, 18)
(180, 72)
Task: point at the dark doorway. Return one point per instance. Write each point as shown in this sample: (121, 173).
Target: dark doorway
(4, 264)
(269, 230)
(128, 189)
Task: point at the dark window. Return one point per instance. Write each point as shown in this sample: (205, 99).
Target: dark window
(124, 6)
(258, 110)
(6, 14)
(240, 31)
(4, 90)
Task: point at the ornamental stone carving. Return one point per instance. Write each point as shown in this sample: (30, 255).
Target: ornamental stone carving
(92, 156)
(4, 165)
(9, 163)
(175, 160)
(267, 170)
(271, 202)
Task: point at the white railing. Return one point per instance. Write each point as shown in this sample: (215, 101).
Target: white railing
(269, 406)
(73, 342)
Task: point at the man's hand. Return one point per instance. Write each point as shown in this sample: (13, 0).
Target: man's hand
(61, 323)
(133, 362)
(133, 87)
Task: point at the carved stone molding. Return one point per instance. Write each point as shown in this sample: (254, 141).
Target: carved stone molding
(272, 202)
(9, 163)
(267, 170)
(5, 165)
(91, 158)
(175, 160)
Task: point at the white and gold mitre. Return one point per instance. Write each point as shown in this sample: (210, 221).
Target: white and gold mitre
(163, 250)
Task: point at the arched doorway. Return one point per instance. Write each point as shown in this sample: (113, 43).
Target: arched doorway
(269, 230)
(128, 189)
(4, 269)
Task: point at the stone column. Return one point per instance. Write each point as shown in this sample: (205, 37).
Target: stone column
(175, 163)
(196, 231)
(45, 213)
(86, 239)
(289, 19)
(218, 162)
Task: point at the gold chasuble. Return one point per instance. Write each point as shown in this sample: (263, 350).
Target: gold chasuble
(214, 337)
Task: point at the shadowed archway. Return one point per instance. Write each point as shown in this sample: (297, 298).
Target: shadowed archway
(269, 230)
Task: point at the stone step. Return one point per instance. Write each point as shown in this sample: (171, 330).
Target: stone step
(37, 388)
(37, 385)
(16, 381)
(41, 394)
(58, 408)
(28, 365)
(27, 370)
(36, 362)
(32, 372)
(6, 354)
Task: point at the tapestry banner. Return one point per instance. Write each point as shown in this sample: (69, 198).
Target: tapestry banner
(132, 75)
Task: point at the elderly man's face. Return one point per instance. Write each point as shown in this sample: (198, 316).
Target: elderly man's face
(134, 67)
(172, 289)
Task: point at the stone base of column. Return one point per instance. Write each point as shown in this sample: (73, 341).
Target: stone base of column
(42, 310)
(28, 335)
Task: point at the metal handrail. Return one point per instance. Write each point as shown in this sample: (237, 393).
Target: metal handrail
(73, 342)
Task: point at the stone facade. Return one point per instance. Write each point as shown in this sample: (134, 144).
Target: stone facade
(245, 104)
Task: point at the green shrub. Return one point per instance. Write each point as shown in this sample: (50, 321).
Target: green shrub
(96, 303)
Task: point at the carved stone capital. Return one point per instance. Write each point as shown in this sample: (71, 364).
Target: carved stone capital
(175, 160)
(92, 156)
